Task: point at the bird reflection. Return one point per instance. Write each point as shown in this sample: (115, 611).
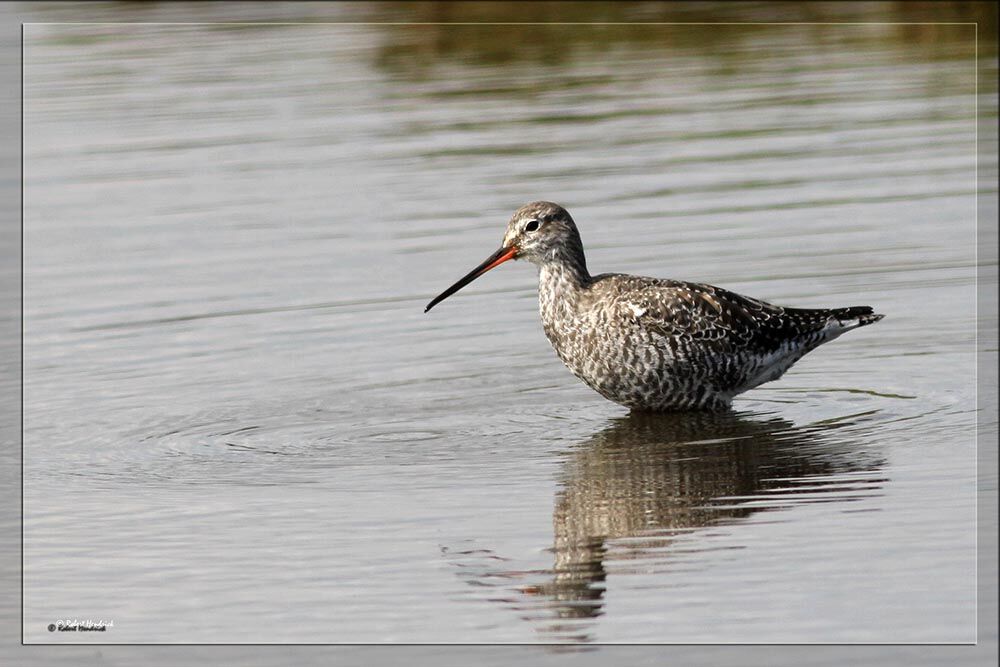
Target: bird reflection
(630, 490)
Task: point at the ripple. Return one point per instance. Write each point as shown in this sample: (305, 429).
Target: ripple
(404, 436)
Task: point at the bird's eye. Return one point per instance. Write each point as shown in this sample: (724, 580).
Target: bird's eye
(531, 226)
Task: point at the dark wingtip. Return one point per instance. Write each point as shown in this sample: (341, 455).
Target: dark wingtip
(863, 314)
(856, 316)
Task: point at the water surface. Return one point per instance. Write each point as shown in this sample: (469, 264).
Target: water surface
(240, 426)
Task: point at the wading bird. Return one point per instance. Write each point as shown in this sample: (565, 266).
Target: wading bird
(652, 344)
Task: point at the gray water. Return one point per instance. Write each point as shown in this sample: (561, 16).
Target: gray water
(239, 426)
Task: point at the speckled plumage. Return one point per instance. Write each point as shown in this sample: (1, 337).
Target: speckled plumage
(653, 344)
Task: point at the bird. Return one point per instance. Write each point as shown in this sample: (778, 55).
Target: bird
(653, 344)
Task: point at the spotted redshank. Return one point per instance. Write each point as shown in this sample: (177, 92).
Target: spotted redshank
(652, 344)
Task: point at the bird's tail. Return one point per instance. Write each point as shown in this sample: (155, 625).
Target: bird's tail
(853, 317)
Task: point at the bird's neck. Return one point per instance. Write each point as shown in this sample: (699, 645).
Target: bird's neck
(564, 274)
(561, 287)
(567, 263)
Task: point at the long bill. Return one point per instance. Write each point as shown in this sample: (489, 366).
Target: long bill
(493, 261)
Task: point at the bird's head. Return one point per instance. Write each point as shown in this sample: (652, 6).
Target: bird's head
(540, 232)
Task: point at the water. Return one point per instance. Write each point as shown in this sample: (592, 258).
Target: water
(240, 426)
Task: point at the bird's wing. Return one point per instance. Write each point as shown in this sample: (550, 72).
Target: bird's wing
(708, 315)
